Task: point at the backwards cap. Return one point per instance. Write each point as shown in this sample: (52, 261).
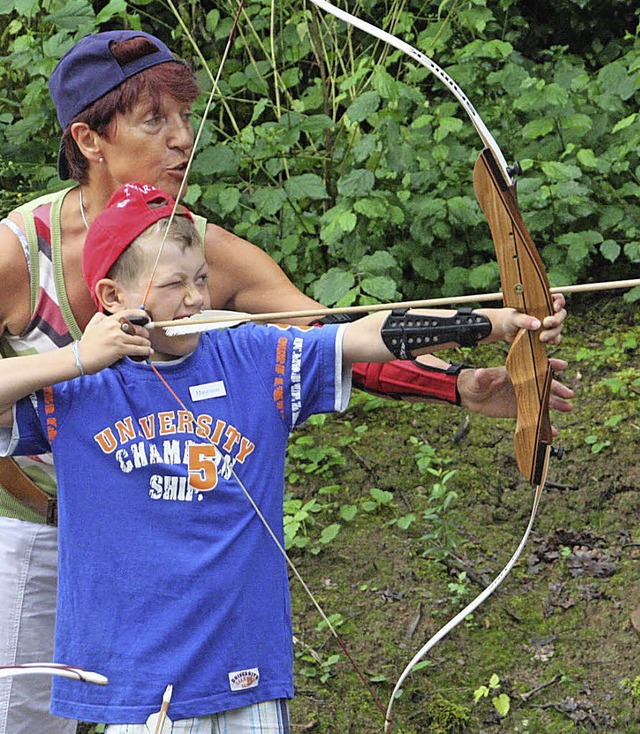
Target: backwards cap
(89, 70)
(128, 214)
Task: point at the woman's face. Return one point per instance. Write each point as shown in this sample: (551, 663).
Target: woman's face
(150, 144)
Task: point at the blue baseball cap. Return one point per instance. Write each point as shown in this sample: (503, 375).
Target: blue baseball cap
(89, 70)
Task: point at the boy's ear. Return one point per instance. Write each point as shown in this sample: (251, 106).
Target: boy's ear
(109, 295)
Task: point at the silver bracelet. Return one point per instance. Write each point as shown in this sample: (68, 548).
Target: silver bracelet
(76, 353)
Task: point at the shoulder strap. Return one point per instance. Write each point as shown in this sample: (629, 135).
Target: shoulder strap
(26, 212)
(201, 225)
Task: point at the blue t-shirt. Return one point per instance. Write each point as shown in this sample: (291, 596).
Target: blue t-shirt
(167, 574)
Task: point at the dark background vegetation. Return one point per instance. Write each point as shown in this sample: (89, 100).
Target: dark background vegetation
(351, 166)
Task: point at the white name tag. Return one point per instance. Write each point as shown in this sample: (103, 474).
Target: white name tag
(208, 390)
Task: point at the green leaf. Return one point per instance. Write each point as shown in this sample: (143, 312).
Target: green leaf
(363, 106)
(484, 276)
(610, 250)
(72, 16)
(625, 123)
(463, 210)
(587, 158)
(113, 8)
(23, 7)
(380, 262)
(357, 182)
(538, 128)
(268, 200)
(557, 171)
(615, 79)
(316, 124)
(193, 194)
(329, 533)
(384, 84)
(229, 198)
(306, 186)
(215, 159)
(447, 125)
(348, 512)
(502, 704)
(331, 286)
(381, 496)
(380, 286)
(372, 208)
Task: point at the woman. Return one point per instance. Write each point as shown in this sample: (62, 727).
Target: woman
(124, 104)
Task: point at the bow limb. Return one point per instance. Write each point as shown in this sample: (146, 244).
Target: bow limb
(482, 130)
(63, 671)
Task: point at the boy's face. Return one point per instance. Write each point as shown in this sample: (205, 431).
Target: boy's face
(178, 289)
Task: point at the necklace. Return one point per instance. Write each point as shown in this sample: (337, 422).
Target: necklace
(82, 211)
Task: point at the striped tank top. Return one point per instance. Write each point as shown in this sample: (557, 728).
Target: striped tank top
(51, 325)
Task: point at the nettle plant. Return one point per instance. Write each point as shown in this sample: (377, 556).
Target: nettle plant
(350, 164)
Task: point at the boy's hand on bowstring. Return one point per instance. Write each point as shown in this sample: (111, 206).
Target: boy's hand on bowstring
(105, 341)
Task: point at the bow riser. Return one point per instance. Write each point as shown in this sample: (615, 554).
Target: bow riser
(525, 287)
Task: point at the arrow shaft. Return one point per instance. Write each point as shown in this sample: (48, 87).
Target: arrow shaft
(428, 303)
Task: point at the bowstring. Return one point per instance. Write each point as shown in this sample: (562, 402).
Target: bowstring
(282, 550)
(214, 89)
(263, 520)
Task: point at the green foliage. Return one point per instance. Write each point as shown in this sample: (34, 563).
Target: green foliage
(632, 687)
(617, 355)
(615, 350)
(440, 515)
(445, 717)
(350, 164)
(501, 701)
(313, 524)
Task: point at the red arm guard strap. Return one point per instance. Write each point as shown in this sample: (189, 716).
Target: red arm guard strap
(402, 379)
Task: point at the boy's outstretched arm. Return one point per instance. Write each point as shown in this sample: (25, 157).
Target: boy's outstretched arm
(363, 341)
(103, 343)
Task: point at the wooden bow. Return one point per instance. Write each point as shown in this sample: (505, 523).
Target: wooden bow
(525, 287)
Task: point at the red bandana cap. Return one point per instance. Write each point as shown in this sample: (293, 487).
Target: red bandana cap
(128, 214)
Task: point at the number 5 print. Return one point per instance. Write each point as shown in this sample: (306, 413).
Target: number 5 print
(203, 470)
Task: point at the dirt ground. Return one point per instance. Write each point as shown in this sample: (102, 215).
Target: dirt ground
(556, 643)
(556, 648)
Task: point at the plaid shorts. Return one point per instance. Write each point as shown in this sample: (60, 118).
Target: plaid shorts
(269, 717)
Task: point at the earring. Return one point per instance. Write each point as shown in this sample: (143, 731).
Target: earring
(101, 160)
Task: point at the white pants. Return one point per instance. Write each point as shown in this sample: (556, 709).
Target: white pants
(28, 577)
(270, 717)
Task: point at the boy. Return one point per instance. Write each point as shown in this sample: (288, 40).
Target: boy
(167, 574)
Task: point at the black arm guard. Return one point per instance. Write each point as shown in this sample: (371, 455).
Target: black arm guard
(403, 332)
